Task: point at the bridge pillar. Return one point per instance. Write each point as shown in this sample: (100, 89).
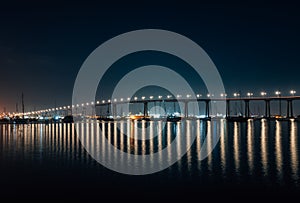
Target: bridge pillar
(114, 110)
(290, 110)
(227, 108)
(267, 109)
(247, 109)
(145, 109)
(291, 107)
(207, 108)
(108, 110)
(186, 109)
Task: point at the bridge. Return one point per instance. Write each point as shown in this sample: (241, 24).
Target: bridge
(208, 100)
(247, 100)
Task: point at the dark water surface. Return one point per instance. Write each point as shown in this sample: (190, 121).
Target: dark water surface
(253, 160)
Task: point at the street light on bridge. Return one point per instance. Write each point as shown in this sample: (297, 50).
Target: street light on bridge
(249, 94)
(236, 94)
(263, 94)
(293, 92)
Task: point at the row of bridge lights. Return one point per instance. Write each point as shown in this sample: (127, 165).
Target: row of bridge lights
(249, 94)
(263, 94)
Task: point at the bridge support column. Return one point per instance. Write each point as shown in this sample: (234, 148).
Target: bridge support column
(114, 110)
(145, 109)
(267, 109)
(227, 108)
(247, 109)
(290, 110)
(186, 109)
(207, 108)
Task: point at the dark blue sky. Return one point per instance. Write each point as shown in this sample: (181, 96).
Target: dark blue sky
(42, 46)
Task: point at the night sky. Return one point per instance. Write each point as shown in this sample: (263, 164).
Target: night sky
(42, 46)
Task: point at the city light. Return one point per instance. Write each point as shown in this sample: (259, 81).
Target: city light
(278, 93)
(135, 98)
(159, 97)
(143, 97)
(151, 97)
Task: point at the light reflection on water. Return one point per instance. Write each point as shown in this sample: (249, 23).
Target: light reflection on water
(250, 145)
(261, 150)
(264, 146)
(236, 147)
(278, 151)
(294, 152)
